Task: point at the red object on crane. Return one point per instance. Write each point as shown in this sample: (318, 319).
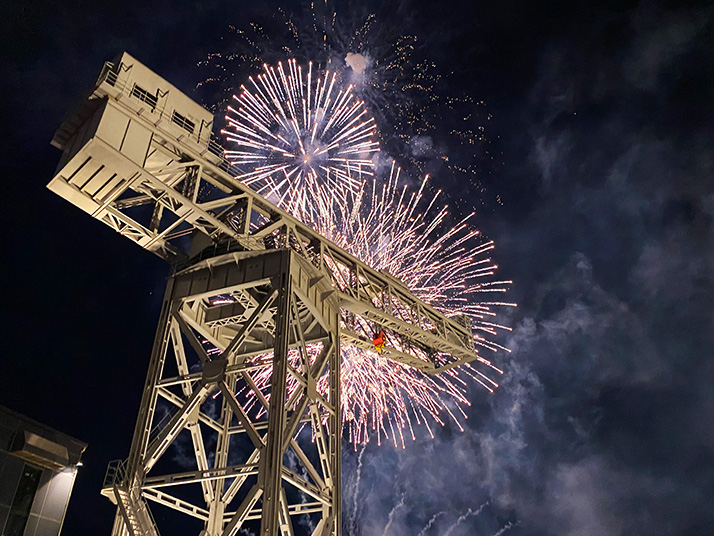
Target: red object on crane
(379, 341)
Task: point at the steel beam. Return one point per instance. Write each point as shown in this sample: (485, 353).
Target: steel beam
(279, 334)
(123, 149)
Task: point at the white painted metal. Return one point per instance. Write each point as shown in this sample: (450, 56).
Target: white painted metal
(104, 174)
(138, 156)
(279, 320)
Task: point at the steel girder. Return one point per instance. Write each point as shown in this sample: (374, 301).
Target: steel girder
(179, 187)
(217, 376)
(129, 163)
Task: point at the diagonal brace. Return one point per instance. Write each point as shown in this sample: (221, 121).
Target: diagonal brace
(250, 324)
(175, 425)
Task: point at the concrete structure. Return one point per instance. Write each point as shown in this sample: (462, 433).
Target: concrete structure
(38, 466)
(253, 291)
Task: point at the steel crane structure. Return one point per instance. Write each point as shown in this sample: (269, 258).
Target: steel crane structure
(251, 287)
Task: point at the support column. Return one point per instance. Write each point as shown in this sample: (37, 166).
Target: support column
(262, 331)
(271, 465)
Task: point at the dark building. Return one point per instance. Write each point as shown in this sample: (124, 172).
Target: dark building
(37, 470)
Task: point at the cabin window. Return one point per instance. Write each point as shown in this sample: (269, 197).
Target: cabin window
(143, 95)
(183, 121)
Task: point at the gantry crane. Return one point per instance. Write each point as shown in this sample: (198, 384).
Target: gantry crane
(250, 287)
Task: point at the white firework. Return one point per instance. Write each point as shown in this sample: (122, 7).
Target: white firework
(301, 136)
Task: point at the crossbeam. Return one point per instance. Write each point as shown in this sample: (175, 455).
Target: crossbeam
(279, 331)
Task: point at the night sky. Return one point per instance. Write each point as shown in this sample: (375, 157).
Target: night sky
(601, 131)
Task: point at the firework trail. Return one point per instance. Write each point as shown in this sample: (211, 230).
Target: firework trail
(462, 518)
(431, 522)
(299, 132)
(358, 477)
(390, 519)
(508, 526)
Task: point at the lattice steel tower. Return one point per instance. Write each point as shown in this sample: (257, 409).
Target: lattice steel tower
(252, 288)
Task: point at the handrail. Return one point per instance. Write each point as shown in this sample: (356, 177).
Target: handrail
(111, 77)
(115, 473)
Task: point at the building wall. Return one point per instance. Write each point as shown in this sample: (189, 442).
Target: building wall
(46, 491)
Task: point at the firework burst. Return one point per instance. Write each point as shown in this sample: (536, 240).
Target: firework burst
(298, 132)
(448, 266)
(419, 114)
(307, 143)
(406, 233)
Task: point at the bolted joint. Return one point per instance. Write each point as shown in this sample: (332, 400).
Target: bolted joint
(311, 387)
(214, 371)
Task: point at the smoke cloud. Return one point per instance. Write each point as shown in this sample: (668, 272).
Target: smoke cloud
(598, 424)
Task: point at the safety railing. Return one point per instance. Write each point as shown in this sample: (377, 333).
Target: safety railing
(116, 470)
(184, 122)
(110, 76)
(153, 519)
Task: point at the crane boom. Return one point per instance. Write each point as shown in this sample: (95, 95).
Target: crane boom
(139, 156)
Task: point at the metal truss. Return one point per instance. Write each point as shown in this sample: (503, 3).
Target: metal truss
(183, 188)
(245, 369)
(207, 363)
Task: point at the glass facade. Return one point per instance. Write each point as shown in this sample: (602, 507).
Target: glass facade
(38, 466)
(22, 503)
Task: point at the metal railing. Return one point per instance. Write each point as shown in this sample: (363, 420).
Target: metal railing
(116, 470)
(153, 519)
(184, 122)
(156, 430)
(110, 76)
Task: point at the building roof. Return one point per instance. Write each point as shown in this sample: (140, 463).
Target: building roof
(36, 442)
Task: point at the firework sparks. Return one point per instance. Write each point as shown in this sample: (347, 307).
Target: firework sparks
(402, 232)
(413, 102)
(299, 132)
(308, 144)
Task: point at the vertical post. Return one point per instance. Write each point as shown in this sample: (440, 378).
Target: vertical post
(272, 460)
(140, 442)
(335, 425)
(217, 507)
(134, 469)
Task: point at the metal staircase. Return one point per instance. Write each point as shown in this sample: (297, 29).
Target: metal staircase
(135, 511)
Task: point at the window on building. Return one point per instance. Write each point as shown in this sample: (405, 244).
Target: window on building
(183, 121)
(21, 504)
(143, 95)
